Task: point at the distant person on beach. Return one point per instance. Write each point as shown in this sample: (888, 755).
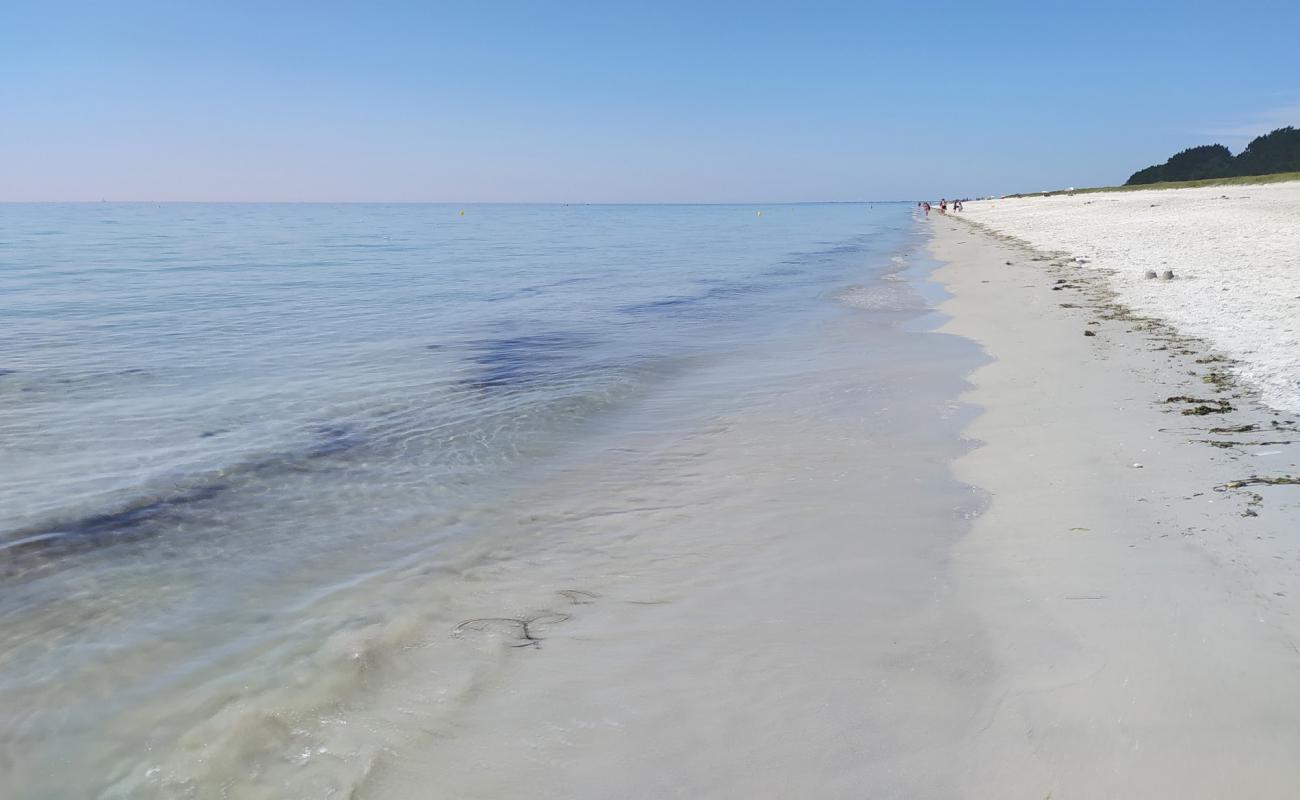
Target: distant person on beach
(943, 205)
(926, 206)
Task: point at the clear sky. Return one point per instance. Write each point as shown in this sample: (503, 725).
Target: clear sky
(489, 100)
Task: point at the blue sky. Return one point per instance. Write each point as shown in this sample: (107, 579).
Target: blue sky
(487, 100)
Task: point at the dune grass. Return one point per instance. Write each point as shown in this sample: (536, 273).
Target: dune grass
(1278, 177)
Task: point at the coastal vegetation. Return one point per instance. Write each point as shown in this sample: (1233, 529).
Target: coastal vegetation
(1271, 158)
(1272, 153)
(1241, 180)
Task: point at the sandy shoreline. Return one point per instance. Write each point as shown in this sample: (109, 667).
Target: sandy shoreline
(795, 602)
(899, 554)
(1144, 629)
(1234, 251)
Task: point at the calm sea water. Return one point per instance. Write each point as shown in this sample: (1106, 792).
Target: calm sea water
(218, 421)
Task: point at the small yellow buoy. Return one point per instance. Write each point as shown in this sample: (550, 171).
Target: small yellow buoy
(462, 212)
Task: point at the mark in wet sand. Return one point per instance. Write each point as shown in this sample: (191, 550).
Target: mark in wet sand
(578, 597)
(522, 627)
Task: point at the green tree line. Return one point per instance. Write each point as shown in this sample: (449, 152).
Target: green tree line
(1278, 151)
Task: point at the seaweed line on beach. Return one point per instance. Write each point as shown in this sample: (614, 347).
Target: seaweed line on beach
(1093, 289)
(1272, 428)
(1232, 444)
(1257, 480)
(1199, 406)
(1091, 282)
(1213, 370)
(1255, 500)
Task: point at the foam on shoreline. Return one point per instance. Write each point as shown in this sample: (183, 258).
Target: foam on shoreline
(1235, 252)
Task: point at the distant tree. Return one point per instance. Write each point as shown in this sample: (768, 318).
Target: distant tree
(1278, 151)
(1195, 163)
(1152, 174)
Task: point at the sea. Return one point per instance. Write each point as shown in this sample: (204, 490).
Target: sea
(261, 466)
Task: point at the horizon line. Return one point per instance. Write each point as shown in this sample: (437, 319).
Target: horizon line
(465, 204)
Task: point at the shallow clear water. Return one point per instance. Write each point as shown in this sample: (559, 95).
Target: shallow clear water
(233, 435)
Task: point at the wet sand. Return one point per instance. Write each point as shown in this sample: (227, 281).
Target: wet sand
(762, 609)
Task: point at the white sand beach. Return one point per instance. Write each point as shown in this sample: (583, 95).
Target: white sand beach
(1234, 251)
(1141, 613)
